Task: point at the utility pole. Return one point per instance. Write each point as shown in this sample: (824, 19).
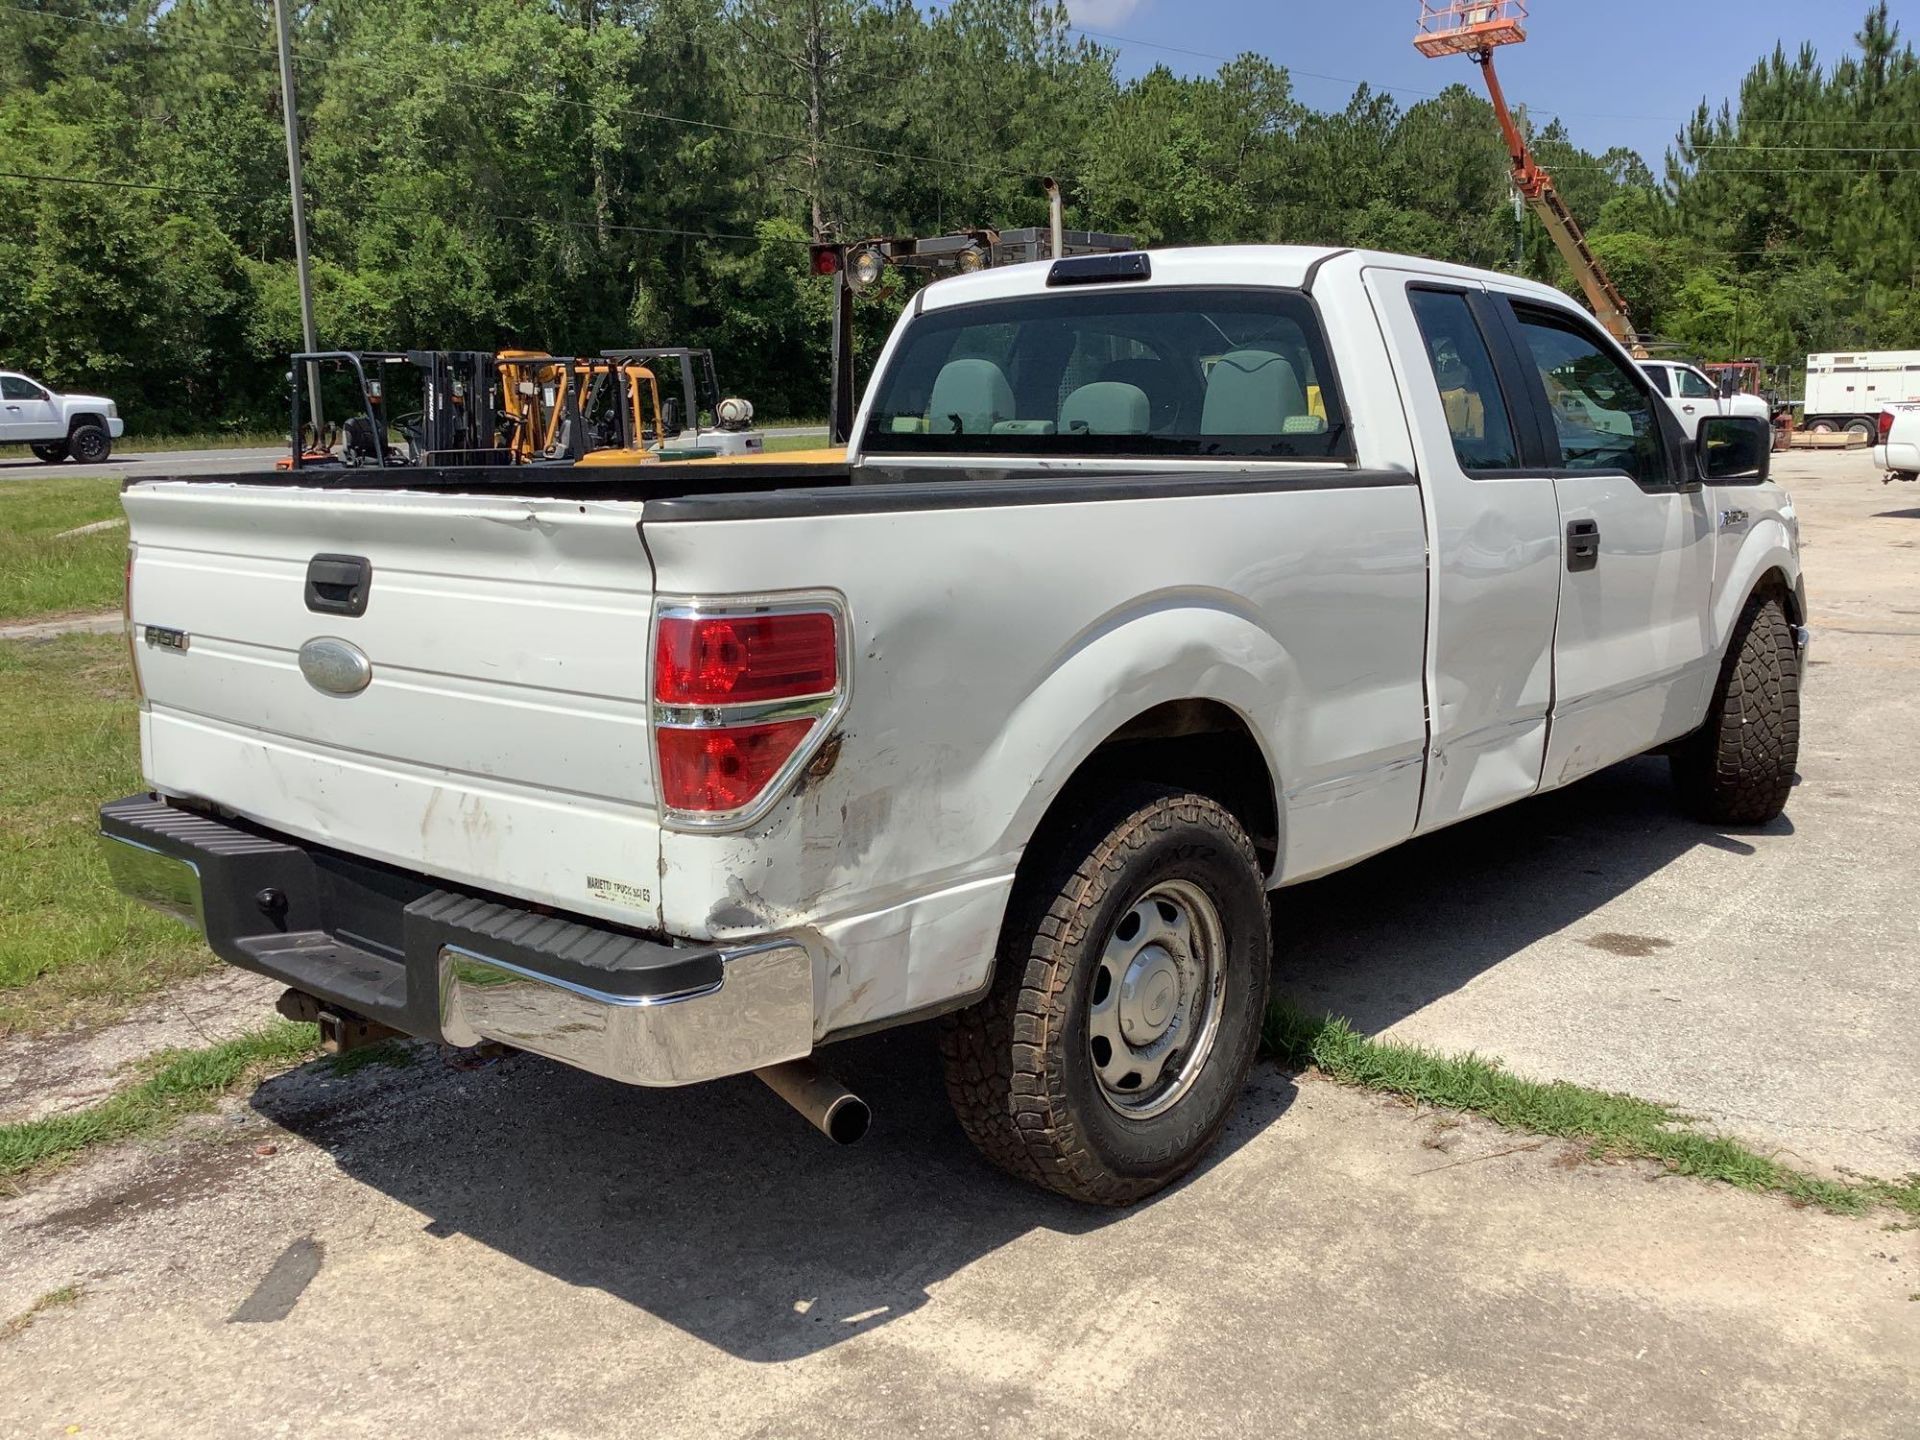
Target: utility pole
(299, 211)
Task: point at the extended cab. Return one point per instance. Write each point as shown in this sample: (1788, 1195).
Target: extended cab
(56, 426)
(1152, 583)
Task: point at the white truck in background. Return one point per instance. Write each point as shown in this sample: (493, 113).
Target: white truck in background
(1692, 396)
(1151, 583)
(56, 426)
(1847, 391)
(1896, 448)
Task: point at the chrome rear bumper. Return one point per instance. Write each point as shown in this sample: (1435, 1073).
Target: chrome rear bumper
(760, 1012)
(427, 960)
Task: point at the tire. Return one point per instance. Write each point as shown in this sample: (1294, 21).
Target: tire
(1823, 427)
(1863, 429)
(52, 451)
(1077, 971)
(90, 443)
(1738, 768)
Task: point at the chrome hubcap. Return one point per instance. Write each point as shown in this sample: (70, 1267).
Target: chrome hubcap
(1156, 995)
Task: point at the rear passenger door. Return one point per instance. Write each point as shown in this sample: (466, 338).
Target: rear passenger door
(1632, 647)
(1493, 536)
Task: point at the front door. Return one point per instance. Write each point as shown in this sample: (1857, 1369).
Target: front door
(1493, 528)
(1632, 648)
(1695, 398)
(25, 411)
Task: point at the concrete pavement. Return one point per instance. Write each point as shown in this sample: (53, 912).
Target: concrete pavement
(527, 1251)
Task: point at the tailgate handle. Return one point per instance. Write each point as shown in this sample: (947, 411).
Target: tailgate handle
(1583, 544)
(338, 584)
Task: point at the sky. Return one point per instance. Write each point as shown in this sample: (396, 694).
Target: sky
(1618, 72)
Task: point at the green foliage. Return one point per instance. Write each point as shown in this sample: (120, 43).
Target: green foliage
(577, 174)
(72, 948)
(180, 1083)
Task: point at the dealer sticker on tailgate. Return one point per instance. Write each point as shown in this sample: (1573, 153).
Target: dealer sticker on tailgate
(618, 892)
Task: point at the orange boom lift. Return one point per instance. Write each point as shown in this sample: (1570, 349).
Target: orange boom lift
(1473, 28)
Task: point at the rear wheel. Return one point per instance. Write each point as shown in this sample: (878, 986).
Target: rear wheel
(53, 451)
(1738, 768)
(90, 443)
(1860, 429)
(1822, 427)
(1126, 1005)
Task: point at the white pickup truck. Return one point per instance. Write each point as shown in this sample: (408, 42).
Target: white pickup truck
(1896, 445)
(1693, 396)
(55, 426)
(1152, 583)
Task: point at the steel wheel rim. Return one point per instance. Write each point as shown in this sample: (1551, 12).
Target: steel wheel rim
(1154, 1010)
(86, 449)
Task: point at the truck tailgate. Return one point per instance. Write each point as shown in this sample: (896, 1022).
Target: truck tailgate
(502, 740)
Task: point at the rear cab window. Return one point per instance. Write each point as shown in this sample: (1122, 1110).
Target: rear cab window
(1203, 373)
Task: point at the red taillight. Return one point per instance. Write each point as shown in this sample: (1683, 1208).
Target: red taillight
(737, 698)
(716, 771)
(734, 660)
(1886, 425)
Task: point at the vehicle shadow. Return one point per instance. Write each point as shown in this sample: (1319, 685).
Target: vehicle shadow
(718, 1210)
(1382, 940)
(714, 1207)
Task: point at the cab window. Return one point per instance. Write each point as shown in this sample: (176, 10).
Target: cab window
(1695, 386)
(1660, 378)
(16, 387)
(1602, 417)
(1470, 394)
(1203, 373)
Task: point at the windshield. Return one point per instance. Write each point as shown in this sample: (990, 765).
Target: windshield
(1208, 373)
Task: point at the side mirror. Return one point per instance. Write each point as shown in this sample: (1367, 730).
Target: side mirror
(1733, 449)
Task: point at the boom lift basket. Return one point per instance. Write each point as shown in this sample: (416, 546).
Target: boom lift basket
(1462, 27)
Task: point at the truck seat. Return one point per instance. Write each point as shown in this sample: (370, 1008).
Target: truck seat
(1251, 392)
(968, 397)
(1106, 407)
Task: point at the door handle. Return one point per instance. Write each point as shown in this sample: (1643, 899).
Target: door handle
(338, 584)
(1687, 408)
(1583, 544)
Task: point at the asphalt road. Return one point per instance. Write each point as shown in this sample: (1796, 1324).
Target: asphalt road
(522, 1249)
(215, 462)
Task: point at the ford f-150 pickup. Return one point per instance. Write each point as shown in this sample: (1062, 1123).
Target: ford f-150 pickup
(1151, 583)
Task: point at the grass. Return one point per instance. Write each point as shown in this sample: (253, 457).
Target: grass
(53, 1300)
(778, 443)
(180, 1083)
(1612, 1125)
(41, 574)
(71, 948)
(155, 444)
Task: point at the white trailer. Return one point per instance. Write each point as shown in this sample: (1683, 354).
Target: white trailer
(1847, 391)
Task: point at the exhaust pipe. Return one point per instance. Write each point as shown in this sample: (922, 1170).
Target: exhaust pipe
(1056, 215)
(832, 1109)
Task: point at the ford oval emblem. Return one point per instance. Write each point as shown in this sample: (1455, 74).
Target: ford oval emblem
(335, 666)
